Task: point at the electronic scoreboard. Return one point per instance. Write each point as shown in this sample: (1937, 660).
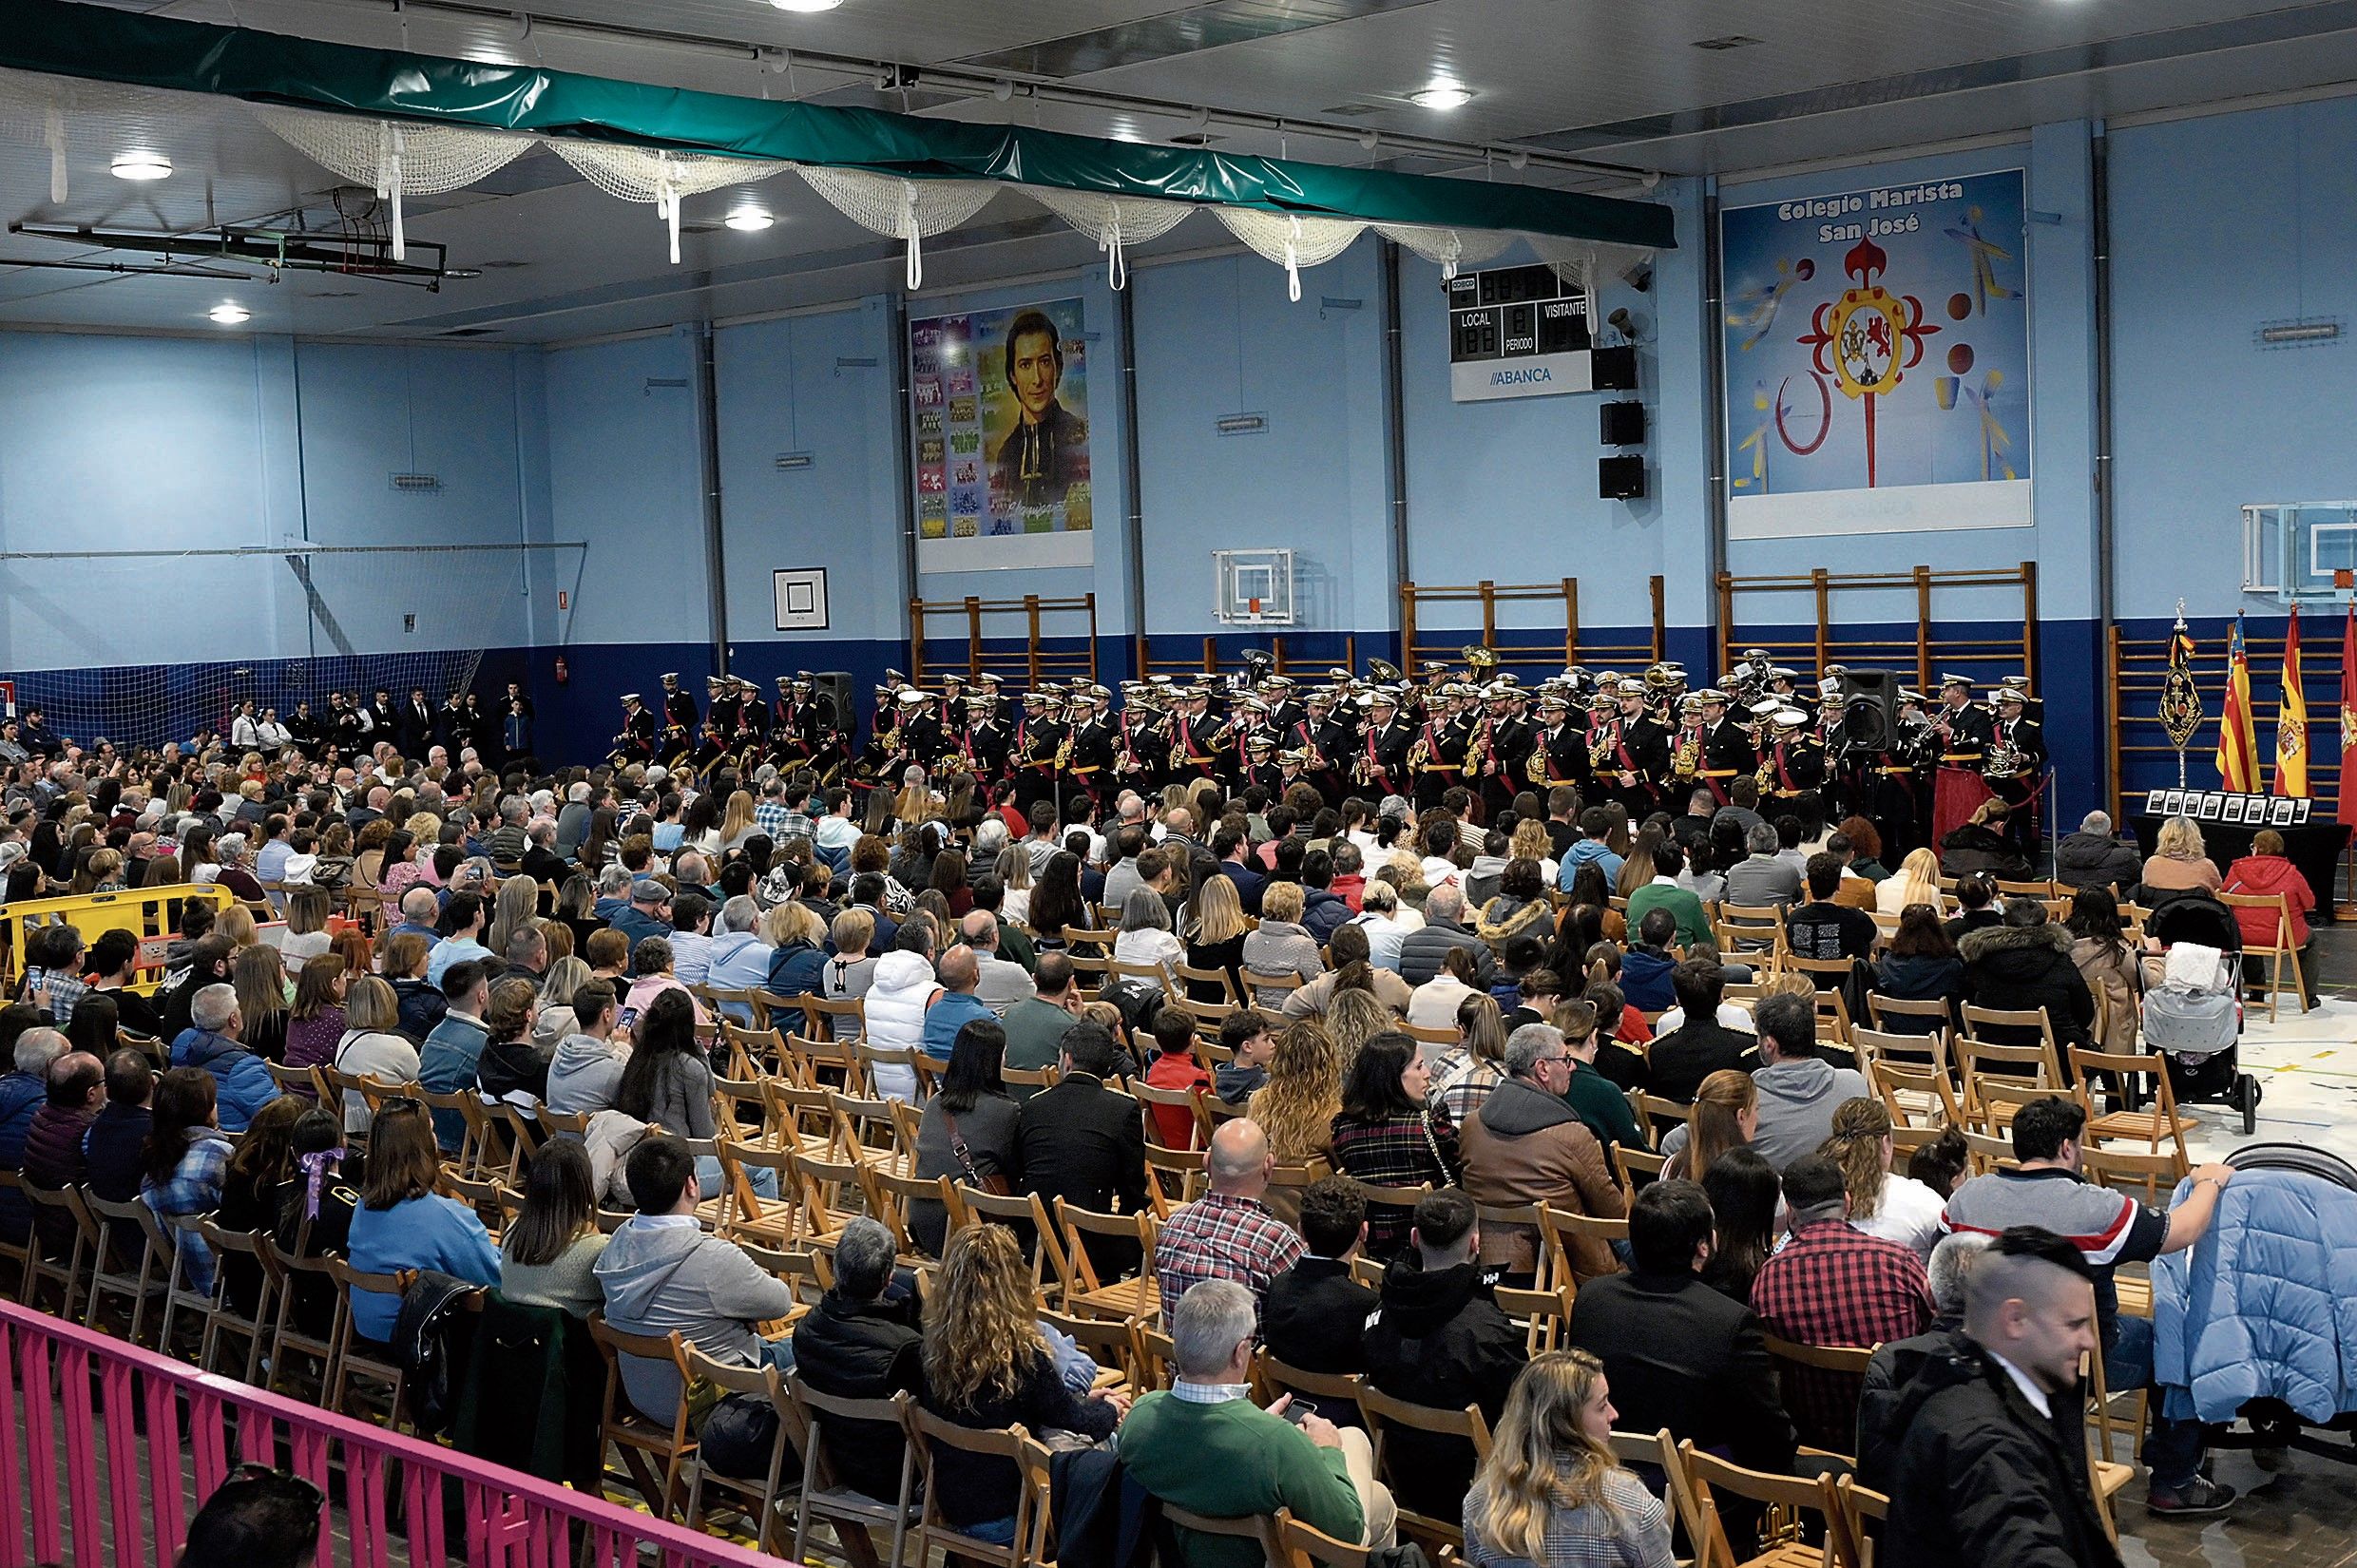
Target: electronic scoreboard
(1517, 332)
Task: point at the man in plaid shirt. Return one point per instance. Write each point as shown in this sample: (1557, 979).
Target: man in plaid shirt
(55, 972)
(1834, 1285)
(1228, 1233)
(769, 816)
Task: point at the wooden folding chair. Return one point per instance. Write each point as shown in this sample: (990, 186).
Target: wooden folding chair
(1304, 1545)
(1261, 1529)
(653, 1452)
(475, 1145)
(1174, 1178)
(1381, 1412)
(758, 1498)
(1795, 1494)
(223, 1317)
(2151, 1174)
(1991, 1103)
(1501, 1218)
(1113, 1345)
(39, 1266)
(1546, 1313)
(1821, 1378)
(751, 1217)
(287, 1332)
(1853, 1505)
(1157, 1357)
(2156, 1123)
(831, 1194)
(824, 1496)
(1193, 978)
(1189, 1100)
(1916, 1096)
(1429, 1035)
(355, 1356)
(928, 1431)
(2275, 952)
(1635, 1168)
(1276, 1378)
(1085, 1294)
(1659, 1114)
(2003, 1038)
(1032, 1078)
(1025, 1214)
(1984, 1152)
(1908, 1015)
(1559, 1227)
(116, 1222)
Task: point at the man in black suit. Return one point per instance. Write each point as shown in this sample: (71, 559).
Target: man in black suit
(1677, 1352)
(414, 724)
(1313, 1317)
(1700, 1046)
(1082, 1142)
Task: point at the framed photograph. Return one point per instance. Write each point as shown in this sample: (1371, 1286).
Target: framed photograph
(2152, 801)
(801, 595)
(2226, 809)
(2172, 803)
(2279, 814)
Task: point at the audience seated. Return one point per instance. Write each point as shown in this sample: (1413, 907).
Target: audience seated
(863, 1340)
(403, 1223)
(1313, 1317)
(1527, 1145)
(1747, 1205)
(549, 1256)
(1202, 1446)
(1552, 1491)
(1897, 1362)
(1881, 1202)
(2096, 858)
(2266, 874)
(1444, 931)
(453, 1052)
(1247, 1036)
(660, 1274)
(211, 1042)
(1762, 877)
(1036, 1026)
(969, 1130)
(111, 1146)
(899, 993)
(52, 1157)
(1438, 1340)
(2024, 965)
(1798, 1091)
(511, 1063)
(988, 1366)
(1702, 1044)
(1680, 1354)
(1083, 1142)
(1832, 1285)
(1173, 1068)
(1387, 1135)
(23, 1092)
(1824, 928)
(1228, 1233)
(185, 1160)
(585, 1074)
(999, 980)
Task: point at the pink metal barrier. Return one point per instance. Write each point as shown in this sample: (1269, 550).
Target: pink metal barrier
(71, 1398)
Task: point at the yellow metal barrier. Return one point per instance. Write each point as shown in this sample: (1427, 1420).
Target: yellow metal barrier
(151, 914)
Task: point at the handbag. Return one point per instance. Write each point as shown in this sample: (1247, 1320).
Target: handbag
(995, 1183)
(1424, 1120)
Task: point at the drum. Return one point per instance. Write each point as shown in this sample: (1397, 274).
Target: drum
(1956, 795)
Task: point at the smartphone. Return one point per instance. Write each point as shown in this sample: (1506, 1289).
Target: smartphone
(1299, 1411)
(628, 1017)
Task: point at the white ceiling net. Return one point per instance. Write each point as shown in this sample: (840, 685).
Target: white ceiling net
(911, 210)
(1113, 222)
(647, 175)
(394, 157)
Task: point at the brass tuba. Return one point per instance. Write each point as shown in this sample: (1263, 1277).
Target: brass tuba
(1383, 672)
(1479, 658)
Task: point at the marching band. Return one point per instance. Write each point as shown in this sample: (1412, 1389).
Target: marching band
(1642, 739)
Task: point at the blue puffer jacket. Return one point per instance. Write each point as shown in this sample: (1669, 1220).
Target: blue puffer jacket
(241, 1080)
(2265, 1304)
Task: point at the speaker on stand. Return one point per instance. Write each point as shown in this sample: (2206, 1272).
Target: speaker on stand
(1870, 709)
(838, 689)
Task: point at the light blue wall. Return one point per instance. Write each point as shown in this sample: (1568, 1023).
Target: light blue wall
(785, 386)
(1219, 337)
(625, 470)
(114, 443)
(2218, 225)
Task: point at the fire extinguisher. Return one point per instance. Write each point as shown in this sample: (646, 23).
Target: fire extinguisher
(564, 673)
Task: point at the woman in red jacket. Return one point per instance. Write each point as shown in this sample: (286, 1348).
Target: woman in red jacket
(2263, 873)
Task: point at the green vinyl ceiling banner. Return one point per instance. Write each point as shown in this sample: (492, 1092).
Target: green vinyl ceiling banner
(100, 43)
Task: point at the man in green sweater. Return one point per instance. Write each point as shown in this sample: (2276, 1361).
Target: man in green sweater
(1204, 1446)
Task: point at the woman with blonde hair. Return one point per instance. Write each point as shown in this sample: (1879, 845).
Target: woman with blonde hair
(1552, 1494)
(1353, 1018)
(1297, 1107)
(1530, 842)
(1215, 937)
(2179, 861)
(738, 822)
(1917, 881)
(1895, 1207)
(307, 936)
(1726, 1114)
(988, 1366)
(263, 993)
(515, 908)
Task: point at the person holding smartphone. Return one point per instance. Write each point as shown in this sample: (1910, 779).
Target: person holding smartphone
(1204, 1446)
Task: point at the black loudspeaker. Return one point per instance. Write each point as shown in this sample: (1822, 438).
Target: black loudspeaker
(1621, 424)
(1870, 708)
(837, 688)
(1614, 370)
(1621, 478)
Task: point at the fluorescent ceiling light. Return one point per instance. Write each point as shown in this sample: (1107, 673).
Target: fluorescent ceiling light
(748, 220)
(230, 316)
(806, 5)
(142, 165)
(1441, 95)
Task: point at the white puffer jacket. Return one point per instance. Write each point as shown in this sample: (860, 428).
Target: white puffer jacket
(896, 1015)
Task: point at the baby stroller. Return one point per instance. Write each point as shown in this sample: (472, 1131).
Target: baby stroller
(2193, 1017)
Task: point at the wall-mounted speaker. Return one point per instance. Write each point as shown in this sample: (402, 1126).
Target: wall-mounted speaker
(1615, 368)
(1622, 424)
(1621, 478)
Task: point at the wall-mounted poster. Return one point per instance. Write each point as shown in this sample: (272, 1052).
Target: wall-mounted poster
(1876, 351)
(999, 412)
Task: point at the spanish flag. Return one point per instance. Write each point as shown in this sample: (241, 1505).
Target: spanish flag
(2291, 719)
(2238, 742)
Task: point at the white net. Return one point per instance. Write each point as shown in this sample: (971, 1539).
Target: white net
(911, 210)
(1289, 239)
(1112, 221)
(1450, 248)
(92, 120)
(1582, 261)
(392, 157)
(650, 174)
(291, 626)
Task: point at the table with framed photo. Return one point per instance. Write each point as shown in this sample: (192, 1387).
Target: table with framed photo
(2313, 840)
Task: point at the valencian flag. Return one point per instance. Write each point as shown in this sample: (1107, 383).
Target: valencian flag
(2348, 716)
(2238, 742)
(2291, 719)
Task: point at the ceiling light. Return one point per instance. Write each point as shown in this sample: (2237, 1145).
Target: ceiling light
(748, 220)
(806, 5)
(229, 316)
(142, 165)
(1441, 95)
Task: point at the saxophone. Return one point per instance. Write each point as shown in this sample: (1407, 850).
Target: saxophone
(1687, 761)
(1063, 751)
(1765, 779)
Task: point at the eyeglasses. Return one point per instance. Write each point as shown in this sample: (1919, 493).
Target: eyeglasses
(1544, 1060)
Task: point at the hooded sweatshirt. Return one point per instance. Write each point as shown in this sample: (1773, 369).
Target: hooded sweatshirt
(2020, 969)
(1438, 1340)
(1796, 1103)
(585, 1075)
(1526, 1146)
(662, 1272)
